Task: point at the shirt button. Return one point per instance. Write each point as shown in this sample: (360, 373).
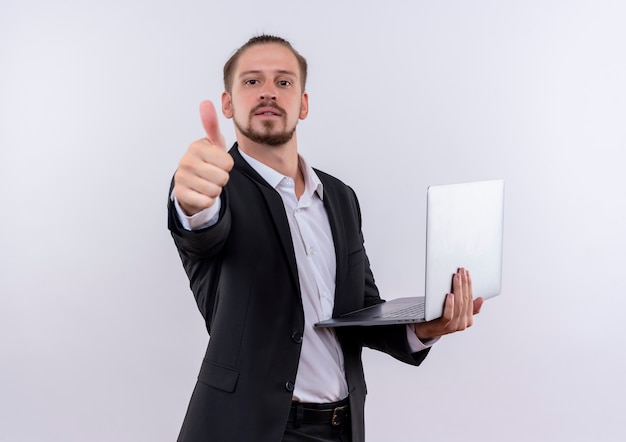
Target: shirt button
(297, 337)
(289, 386)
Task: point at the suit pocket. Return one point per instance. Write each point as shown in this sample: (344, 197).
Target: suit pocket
(218, 376)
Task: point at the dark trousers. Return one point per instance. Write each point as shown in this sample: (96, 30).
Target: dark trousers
(317, 433)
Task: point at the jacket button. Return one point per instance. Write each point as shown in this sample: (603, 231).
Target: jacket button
(289, 386)
(297, 337)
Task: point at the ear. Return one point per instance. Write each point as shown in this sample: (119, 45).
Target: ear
(227, 105)
(304, 106)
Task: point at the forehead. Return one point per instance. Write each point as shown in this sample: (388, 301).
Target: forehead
(267, 57)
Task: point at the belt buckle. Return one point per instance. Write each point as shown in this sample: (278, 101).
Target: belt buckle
(339, 416)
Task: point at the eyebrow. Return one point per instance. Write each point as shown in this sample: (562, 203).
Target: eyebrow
(278, 71)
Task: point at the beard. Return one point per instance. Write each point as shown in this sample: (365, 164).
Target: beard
(266, 136)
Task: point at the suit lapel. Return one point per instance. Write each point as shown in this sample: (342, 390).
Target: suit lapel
(276, 209)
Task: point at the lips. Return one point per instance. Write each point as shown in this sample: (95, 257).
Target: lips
(269, 111)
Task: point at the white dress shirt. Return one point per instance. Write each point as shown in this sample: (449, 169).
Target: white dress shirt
(321, 359)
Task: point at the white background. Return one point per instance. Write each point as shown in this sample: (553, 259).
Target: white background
(100, 339)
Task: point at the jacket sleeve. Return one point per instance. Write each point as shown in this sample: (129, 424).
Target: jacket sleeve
(199, 251)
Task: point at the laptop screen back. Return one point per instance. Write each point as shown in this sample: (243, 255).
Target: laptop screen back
(464, 229)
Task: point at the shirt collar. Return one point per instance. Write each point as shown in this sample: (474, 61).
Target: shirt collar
(312, 183)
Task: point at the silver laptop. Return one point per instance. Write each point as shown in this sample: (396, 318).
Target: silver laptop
(464, 226)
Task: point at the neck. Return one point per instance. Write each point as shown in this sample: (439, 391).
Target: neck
(283, 159)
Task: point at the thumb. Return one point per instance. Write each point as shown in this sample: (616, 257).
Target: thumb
(478, 304)
(211, 124)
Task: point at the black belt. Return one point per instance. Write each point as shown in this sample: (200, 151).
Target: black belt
(335, 413)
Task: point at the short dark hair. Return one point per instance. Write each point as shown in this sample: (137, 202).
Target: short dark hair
(229, 67)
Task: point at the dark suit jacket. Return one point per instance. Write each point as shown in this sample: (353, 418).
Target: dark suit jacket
(243, 274)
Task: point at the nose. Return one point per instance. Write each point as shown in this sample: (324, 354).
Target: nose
(268, 92)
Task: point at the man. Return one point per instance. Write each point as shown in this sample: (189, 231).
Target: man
(272, 246)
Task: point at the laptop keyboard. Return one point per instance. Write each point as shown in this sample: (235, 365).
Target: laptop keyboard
(416, 310)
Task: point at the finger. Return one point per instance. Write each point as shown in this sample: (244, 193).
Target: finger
(448, 321)
(470, 294)
(459, 296)
(201, 158)
(211, 155)
(211, 123)
(207, 180)
(448, 308)
(469, 305)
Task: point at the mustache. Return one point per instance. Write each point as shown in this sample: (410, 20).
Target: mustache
(268, 104)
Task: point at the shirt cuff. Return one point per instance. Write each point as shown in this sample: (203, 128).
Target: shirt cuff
(415, 343)
(201, 220)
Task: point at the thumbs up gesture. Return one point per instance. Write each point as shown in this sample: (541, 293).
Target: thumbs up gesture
(204, 169)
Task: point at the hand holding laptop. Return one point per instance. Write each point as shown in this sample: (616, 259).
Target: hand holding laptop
(464, 225)
(458, 312)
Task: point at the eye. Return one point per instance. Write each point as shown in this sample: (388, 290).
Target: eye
(252, 82)
(284, 83)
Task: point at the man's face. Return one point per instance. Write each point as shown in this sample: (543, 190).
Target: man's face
(266, 98)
